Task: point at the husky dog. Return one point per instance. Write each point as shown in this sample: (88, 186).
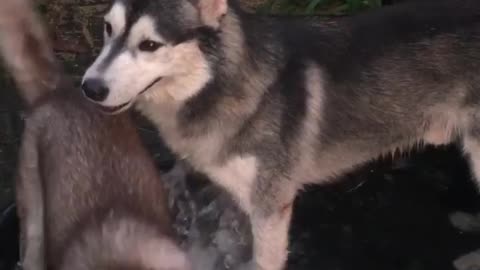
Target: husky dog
(88, 194)
(267, 104)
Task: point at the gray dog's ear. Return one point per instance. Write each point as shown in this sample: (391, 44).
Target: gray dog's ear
(211, 11)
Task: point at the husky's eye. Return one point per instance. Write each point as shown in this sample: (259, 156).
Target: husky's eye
(149, 46)
(108, 28)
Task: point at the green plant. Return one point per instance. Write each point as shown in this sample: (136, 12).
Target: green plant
(319, 7)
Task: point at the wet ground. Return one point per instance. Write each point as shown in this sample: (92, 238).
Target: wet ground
(387, 215)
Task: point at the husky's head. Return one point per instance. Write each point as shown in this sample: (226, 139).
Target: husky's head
(152, 49)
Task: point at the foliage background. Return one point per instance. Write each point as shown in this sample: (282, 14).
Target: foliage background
(319, 7)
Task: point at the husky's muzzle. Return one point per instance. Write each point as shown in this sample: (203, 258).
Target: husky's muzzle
(95, 90)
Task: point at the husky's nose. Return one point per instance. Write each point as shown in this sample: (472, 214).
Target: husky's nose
(95, 89)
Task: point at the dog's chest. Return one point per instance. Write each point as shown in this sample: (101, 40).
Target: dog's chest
(235, 173)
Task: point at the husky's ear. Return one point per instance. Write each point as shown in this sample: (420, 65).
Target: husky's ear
(211, 11)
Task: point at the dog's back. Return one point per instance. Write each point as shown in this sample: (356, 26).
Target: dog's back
(103, 201)
(88, 194)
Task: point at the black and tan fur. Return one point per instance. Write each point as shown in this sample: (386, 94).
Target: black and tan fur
(267, 104)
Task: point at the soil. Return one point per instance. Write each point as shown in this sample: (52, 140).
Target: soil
(389, 214)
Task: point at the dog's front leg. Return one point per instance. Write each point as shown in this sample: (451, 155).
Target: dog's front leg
(267, 199)
(30, 203)
(270, 219)
(270, 233)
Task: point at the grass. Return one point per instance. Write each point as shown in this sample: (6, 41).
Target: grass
(319, 7)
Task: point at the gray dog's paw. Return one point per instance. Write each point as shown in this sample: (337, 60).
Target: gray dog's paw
(471, 261)
(465, 222)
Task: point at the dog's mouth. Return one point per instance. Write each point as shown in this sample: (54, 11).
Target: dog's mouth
(150, 85)
(122, 107)
(116, 109)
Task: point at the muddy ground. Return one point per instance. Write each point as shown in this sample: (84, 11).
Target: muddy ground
(387, 215)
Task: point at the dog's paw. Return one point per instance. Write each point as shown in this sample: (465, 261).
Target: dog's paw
(465, 222)
(471, 261)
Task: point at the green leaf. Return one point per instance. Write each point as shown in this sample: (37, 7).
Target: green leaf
(354, 5)
(313, 4)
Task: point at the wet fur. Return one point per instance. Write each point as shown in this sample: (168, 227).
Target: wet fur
(88, 193)
(293, 101)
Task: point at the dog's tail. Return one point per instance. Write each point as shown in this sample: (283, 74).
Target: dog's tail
(26, 50)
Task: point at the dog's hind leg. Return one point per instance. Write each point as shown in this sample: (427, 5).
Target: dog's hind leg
(29, 197)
